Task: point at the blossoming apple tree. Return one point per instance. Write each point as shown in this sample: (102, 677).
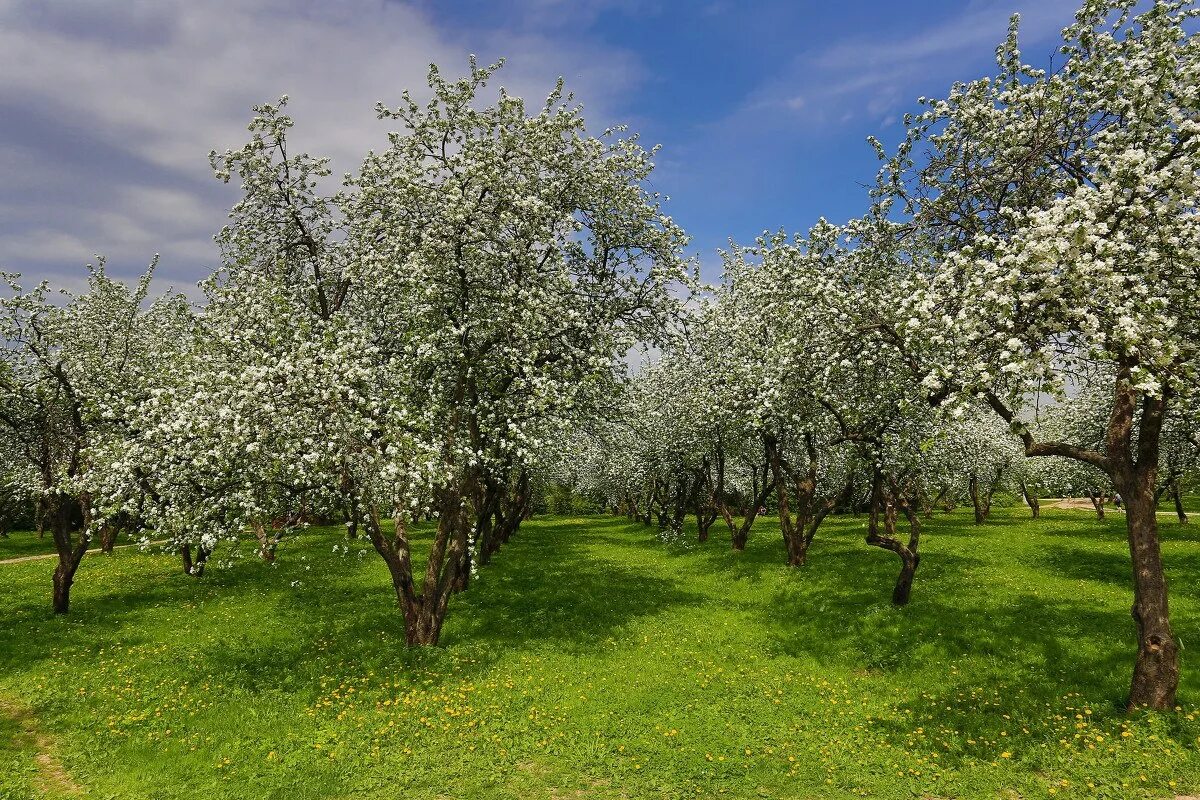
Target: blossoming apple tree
(70, 371)
(1059, 211)
(402, 346)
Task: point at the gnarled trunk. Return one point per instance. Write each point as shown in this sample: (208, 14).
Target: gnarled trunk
(194, 568)
(981, 496)
(1134, 472)
(1156, 671)
(886, 503)
(763, 486)
(108, 537)
(70, 552)
(425, 611)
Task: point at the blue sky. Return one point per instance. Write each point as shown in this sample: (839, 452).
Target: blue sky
(110, 106)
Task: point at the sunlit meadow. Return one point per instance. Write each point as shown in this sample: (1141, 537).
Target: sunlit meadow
(594, 660)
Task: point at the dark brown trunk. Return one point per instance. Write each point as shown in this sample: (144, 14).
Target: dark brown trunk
(268, 540)
(70, 553)
(425, 612)
(1134, 473)
(194, 568)
(1031, 501)
(887, 503)
(1175, 495)
(763, 487)
(802, 488)
(1156, 671)
(1133, 470)
(108, 538)
(62, 589)
(1097, 503)
(936, 499)
(903, 590)
(977, 500)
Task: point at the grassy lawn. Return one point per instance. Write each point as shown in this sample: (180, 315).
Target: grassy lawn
(26, 543)
(591, 660)
(1191, 503)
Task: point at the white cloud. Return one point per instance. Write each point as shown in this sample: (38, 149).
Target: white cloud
(873, 77)
(111, 106)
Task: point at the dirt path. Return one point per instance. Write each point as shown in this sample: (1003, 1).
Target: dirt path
(1078, 504)
(51, 779)
(19, 559)
(1071, 503)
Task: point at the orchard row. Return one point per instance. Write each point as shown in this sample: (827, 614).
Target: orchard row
(451, 328)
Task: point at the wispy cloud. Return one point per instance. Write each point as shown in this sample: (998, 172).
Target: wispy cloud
(110, 107)
(875, 76)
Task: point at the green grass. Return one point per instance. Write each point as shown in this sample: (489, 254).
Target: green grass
(1191, 503)
(26, 543)
(591, 660)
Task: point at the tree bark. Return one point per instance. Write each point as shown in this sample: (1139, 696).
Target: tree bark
(763, 486)
(1156, 670)
(981, 499)
(194, 568)
(425, 611)
(1034, 505)
(70, 552)
(1175, 495)
(810, 512)
(108, 537)
(886, 503)
(1134, 473)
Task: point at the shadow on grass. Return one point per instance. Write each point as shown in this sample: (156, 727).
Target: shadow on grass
(576, 585)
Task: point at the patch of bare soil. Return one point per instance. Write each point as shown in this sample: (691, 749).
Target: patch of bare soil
(51, 779)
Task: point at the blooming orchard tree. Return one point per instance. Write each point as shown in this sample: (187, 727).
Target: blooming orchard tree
(69, 372)
(401, 348)
(784, 344)
(14, 481)
(512, 258)
(978, 455)
(1059, 211)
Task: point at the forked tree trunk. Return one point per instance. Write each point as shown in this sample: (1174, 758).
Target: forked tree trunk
(798, 532)
(511, 508)
(741, 534)
(425, 611)
(763, 486)
(1097, 503)
(194, 568)
(709, 509)
(936, 499)
(268, 541)
(1134, 472)
(70, 552)
(885, 504)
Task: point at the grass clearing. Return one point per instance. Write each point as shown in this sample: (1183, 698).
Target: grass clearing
(592, 660)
